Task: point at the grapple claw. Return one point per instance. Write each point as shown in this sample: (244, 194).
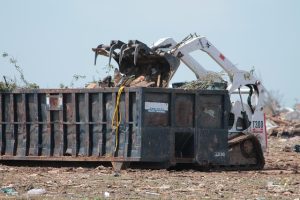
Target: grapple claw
(115, 44)
(138, 47)
(137, 59)
(96, 52)
(123, 47)
(136, 53)
(113, 47)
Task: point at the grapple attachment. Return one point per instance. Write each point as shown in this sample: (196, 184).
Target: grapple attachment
(136, 59)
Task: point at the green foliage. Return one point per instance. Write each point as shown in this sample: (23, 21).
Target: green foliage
(9, 84)
(4, 54)
(76, 77)
(109, 68)
(252, 70)
(62, 86)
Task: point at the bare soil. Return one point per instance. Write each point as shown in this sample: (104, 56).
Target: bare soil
(279, 180)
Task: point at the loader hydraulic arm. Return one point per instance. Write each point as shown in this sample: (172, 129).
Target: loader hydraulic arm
(246, 114)
(201, 43)
(188, 60)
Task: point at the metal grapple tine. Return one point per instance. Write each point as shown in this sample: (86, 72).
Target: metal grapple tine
(95, 60)
(123, 47)
(96, 53)
(138, 47)
(112, 48)
(115, 44)
(136, 53)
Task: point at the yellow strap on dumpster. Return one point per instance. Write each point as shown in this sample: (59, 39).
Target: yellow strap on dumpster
(116, 120)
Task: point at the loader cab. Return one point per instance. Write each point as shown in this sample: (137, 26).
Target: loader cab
(244, 101)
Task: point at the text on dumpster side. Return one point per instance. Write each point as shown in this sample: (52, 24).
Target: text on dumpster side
(156, 107)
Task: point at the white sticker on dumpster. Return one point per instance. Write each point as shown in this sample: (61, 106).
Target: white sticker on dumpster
(156, 107)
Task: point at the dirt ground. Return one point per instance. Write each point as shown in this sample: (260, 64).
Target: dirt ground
(279, 180)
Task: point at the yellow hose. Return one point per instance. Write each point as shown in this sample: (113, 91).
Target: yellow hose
(116, 120)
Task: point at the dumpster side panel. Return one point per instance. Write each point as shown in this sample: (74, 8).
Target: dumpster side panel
(134, 125)
(156, 125)
(19, 123)
(156, 108)
(155, 128)
(44, 132)
(211, 142)
(1, 125)
(8, 139)
(109, 105)
(156, 144)
(32, 126)
(69, 124)
(82, 116)
(184, 110)
(96, 127)
(69, 127)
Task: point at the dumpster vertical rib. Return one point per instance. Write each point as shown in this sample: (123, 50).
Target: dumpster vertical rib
(140, 105)
(1, 126)
(101, 142)
(172, 114)
(34, 144)
(49, 131)
(24, 121)
(14, 126)
(126, 123)
(69, 129)
(112, 130)
(61, 126)
(64, 126)
(172, 109)
(4, 116)
(19, 125)
(88, 139)
(74, 121)
(41, 124)
(196, 124)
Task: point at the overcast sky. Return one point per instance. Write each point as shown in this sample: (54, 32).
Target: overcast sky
(52, 40)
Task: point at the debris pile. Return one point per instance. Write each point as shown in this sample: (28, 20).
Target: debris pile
(139, 65)
(285, 123)
(143, 66)
(212, 81)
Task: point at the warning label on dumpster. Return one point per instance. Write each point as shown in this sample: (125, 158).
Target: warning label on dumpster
(156, 107)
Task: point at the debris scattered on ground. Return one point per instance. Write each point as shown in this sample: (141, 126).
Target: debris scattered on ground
(106, 194)
(285, 123)
(36, 191)
(280, 127)
(281, 171)
(293, 116)
(9, 190)
(287, 149)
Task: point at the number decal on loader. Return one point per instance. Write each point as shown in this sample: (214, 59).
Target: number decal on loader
(258, 127)
(257, 124)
